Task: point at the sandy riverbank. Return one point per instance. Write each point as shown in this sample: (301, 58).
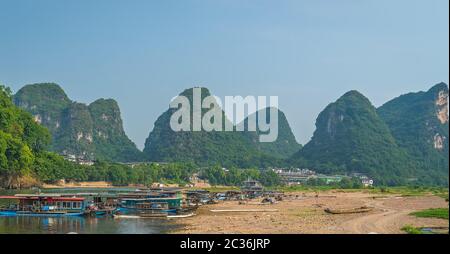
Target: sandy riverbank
(99, 184)
(304, 213)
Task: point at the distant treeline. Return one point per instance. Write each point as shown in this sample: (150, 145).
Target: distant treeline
(55, 168)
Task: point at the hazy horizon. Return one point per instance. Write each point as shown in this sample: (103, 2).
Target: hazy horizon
(143, 53)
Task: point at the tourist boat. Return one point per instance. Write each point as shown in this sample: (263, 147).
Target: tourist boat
(98, 204)
(147, 206)
(151, 200)
(46, 205)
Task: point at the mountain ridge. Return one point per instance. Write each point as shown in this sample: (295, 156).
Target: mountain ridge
(284, 146)
(80, 131)
(350, 137)
(229, 148)
(419, 123)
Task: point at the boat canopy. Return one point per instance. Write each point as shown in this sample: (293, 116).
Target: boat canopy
(43, 198)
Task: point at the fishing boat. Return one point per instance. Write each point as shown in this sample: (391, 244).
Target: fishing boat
(45, 205)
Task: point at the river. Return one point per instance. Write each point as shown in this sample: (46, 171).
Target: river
(81, 225)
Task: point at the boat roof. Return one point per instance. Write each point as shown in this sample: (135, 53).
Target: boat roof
(91, 194)
(34, 197)
(39, 195)
(79, 194)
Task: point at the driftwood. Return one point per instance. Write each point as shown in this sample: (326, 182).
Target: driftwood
(363, 209)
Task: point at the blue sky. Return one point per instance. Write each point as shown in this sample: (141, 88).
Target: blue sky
(142, 53)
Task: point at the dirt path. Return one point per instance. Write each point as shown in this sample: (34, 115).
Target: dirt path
(388, 219)
(379, 222)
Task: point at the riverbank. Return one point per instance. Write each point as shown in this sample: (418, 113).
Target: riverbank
(303, 212)
(98, 184)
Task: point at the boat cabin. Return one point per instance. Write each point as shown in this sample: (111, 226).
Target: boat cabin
(173, 203)
(47, 202)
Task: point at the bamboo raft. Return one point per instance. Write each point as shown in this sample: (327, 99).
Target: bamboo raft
(363, 209)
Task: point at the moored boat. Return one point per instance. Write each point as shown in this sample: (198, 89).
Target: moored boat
(40, 214)
(146, 205)
(45, 205)
(363, 209)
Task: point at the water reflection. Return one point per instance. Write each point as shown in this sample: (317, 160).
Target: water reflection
(81, 225)
(64, 225)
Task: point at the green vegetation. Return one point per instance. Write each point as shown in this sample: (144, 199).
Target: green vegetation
(86, 132)
(235, 177)
(110, 141)
(146, 173)
(53, 168)
(404, 191)
(412, 230)
(285, 145)
(411, 191)
(351, 137)
(413, 121)
(440, 213)
(403, 143)
(21, 141)
(74, 136)
(230, 149)
(216, 189)
(47, 101)
(347, 184)
(24, 159)
(23, 153)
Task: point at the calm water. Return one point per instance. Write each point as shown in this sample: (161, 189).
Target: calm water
(81, 225)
